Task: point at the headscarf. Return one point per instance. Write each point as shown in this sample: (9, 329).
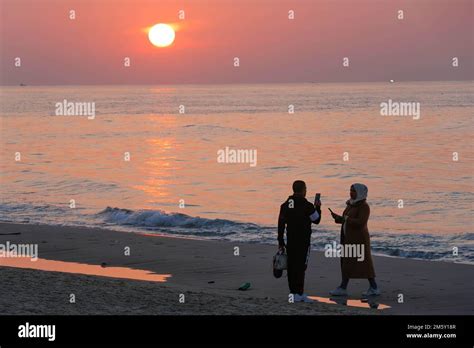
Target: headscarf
(361, 190)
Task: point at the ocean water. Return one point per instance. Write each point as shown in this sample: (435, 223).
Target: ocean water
(174, 159)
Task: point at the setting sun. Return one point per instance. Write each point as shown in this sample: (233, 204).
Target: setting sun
(161, 35)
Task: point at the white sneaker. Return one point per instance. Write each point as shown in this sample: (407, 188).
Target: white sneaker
(371, 292)
(301, 298)
(338, 292)
(306, 299)
(298, 298)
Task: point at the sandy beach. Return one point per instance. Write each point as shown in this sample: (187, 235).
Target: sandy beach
(207, 273)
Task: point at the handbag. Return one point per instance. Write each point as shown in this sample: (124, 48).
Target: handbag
(280, 261)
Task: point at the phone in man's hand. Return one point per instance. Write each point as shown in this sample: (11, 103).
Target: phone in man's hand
(317, 198)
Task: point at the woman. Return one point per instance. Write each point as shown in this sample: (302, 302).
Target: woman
(354, 231)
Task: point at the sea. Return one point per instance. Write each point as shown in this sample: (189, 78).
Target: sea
(149, 159)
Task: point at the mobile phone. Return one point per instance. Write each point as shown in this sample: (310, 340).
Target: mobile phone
(331, 211)
(317, 198)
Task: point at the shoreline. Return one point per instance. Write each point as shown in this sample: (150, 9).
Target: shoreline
(122, 229)
(208, 274)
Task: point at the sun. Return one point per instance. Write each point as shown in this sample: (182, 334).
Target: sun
(161, 35)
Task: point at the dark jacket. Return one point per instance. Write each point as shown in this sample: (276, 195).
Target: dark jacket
(297, 214)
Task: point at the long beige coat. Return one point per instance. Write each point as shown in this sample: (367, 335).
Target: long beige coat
(356, 232)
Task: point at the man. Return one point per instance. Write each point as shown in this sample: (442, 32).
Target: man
(297, 214)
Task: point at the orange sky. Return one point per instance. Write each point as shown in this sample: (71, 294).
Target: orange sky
(271, 48)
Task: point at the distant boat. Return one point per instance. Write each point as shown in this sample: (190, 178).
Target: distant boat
(22, 85)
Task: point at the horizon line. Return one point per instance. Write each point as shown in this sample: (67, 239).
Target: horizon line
(229, 83)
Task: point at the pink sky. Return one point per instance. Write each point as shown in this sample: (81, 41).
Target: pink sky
(271, 48)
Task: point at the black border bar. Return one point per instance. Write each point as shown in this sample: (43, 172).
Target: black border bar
(223, 330)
